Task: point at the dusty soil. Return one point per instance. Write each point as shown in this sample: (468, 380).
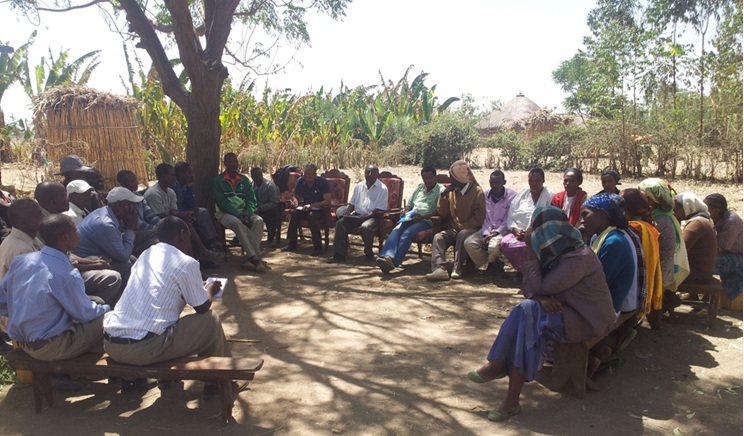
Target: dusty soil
(349, 351)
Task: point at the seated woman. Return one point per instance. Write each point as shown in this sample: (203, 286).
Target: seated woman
(672, 252)
(571, 199)
(729, 261)
(421, 207)
(610, 179)
(640, 220)
(513, 245)
(699, 236)
(603, 217)
(567, 299)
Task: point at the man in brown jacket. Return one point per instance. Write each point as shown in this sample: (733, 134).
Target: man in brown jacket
(462, 208)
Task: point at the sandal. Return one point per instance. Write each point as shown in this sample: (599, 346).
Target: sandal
(497, 416)
(476, 378)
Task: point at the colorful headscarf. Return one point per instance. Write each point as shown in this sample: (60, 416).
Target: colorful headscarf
(552, 235)
(612, 205)
(636, 204)
(462, 172)
(659, 192)
(692, 205)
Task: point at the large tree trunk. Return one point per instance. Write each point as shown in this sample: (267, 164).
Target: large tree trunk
(203, 140)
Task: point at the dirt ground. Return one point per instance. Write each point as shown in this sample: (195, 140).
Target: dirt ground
(350, 351)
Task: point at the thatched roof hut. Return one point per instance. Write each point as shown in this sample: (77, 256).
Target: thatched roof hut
(99, 127)
(522, 115)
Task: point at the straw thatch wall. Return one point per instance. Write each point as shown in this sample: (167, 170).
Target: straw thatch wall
(101, 128)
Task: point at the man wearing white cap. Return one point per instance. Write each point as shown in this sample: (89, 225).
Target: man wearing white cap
(78, 196)
(109, 231)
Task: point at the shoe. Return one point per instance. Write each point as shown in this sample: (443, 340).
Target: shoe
(336, 258)
(385, 264)
(63, 382)
(497, 416)
(272, 244)
(212, 389)
(289, 248)
(439, 274)
(137, 385)
(260, 267)
(369, 257)
(248, 266)
(213, 256)
(456, 274)
(474, 377)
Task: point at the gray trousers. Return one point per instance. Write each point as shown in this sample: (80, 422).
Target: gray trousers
(205, 227)
(250, 238)
(445, 239)
(348, 223)
(103, 283)
(75, 341)
(199, 334)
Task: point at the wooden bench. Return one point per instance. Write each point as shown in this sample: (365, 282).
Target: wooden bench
(220, 370)
(713, 290)
(570, 360)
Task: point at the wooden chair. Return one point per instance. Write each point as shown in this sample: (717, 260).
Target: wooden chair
(427, 236)
(387, 221)
(712, 290)
(287, 202)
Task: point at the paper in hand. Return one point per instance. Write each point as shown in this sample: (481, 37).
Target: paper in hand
(222, 280)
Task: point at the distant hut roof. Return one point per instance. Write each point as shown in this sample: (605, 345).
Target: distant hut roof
(516, 109)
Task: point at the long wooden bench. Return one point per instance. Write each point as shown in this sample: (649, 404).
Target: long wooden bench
(570, 360)
(220, 370)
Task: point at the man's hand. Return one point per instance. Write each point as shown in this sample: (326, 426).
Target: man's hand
(187, 216)
(214, 288)
(246, 219)
(447, 190)
(130, 217)
(307, 207)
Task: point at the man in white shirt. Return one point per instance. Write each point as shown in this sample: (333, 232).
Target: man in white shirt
(78, 196)
(369, 200)
(146, 326)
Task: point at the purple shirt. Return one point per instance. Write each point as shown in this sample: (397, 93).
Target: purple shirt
(496, 213)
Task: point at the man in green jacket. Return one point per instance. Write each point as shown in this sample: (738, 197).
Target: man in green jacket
(236, 207)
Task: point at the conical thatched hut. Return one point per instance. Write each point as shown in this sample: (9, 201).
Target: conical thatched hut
(99, 127)
(522, 115)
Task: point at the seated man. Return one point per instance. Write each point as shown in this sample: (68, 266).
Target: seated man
(236, 207)
(267, 196)
(165, 278)
(462, 207)
(483, 248)
(44, 299)
(423, 205)
(186, 202)
(73, 168)
(369, 200)
(100, 280)
(78, 198)
(163, 201)
(571, 199)
(313, 194)
(728, 226)
(108, 232)
(145, 235)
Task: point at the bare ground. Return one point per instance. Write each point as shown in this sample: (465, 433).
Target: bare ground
(349, 351)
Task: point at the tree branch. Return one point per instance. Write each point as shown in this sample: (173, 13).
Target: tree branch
(139, 24)
(189, 47)
(70, 8)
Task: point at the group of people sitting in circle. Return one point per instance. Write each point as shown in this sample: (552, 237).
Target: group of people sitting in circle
(86, 272)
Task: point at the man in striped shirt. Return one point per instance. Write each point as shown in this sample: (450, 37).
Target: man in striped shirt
(146, 326)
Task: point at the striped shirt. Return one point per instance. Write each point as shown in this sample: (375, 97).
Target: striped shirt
(42, 294)
(163, 281)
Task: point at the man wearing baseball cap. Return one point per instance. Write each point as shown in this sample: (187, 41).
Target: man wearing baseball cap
(78, 196)
(73, 168)
(109, 231)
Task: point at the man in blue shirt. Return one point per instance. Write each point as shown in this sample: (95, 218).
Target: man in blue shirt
(313, 194)
(44, 297)
(109, 231)
(186, 202)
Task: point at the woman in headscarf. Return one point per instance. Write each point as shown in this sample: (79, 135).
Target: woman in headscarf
(566, 300)
(729, 262)
(603, 217)
(640, 220)
(672, 252)
(699, 236)
(513, 245)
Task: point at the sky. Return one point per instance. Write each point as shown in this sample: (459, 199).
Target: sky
(490, 49)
